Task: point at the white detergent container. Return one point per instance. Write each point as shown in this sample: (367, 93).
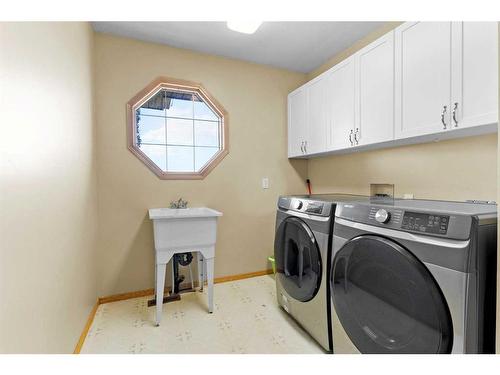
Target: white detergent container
(180, 230)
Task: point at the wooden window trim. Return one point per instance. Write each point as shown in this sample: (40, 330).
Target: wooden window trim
(175, 84)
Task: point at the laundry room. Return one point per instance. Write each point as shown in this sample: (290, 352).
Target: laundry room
(233, 184)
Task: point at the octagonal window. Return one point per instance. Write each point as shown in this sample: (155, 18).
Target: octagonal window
(177, 129)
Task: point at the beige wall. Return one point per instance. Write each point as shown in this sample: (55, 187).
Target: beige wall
(457, 169)
(255, 98)
(47, 187)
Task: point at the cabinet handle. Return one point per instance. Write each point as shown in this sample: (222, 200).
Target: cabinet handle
(302, 147)
(356, 136)
(442, 116)
(305, 147)
(455, 108)
(350, 137)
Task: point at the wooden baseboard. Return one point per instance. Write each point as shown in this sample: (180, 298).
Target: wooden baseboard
(150, 292)
(241, 276)
(124, 296)
(86, 329)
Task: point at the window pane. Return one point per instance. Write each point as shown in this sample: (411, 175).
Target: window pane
(152, 129)
(151, 112)
(157, 154)
(179, 132)
(203, 111)
(154, 106)
(179, 104)
(203, 155)
(206, 133)
(180, 159)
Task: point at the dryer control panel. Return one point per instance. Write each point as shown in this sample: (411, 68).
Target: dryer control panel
(427, 223)
(439, 224)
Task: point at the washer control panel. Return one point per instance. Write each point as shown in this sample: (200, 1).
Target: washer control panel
(382, 216)
(314, 208)
(421, 222)
(297, 204)
(306, 206)
(385, 216)
(430, 223)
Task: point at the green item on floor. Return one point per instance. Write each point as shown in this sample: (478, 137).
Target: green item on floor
(273, 263)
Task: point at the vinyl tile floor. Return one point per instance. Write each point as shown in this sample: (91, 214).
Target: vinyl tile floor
(246, 319)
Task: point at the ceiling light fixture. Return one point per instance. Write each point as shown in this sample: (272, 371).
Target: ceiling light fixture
(244, 26)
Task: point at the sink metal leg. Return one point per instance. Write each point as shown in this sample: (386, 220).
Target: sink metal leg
(201, 267)
(173, 276)
(156, 277)
(160, 287)
(191, 276)
(210, 279)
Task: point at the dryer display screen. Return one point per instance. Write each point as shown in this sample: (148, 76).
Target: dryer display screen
(435, 224)
(314, 208)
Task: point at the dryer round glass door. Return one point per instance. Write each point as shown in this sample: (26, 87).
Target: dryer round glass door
(387, 300)
(298, 260)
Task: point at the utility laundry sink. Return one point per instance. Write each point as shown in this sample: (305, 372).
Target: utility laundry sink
(172, 213)
(178, 230)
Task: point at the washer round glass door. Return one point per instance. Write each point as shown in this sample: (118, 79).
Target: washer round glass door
(387, 300)
(298, 260)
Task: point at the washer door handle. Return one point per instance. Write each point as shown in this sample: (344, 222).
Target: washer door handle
(285, 262)
(300, 266)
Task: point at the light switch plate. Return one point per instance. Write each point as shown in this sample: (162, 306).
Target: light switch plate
(265, 183)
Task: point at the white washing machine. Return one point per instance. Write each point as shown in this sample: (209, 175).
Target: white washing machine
(414, 276)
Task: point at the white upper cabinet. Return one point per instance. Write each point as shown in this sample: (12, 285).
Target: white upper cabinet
(423, 81)
(297, 122)
(307, 119)
(423, 78)
(340, 105)
(474, 74)
(375, 92)
(316, 116)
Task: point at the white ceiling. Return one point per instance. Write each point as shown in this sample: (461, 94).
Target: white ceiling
(297, 46)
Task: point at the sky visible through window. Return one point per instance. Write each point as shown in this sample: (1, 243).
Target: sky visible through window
(181, 134)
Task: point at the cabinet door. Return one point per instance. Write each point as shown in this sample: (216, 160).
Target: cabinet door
(316, 116)
(375, 91)
(297, 121)
(475, 74)
(340, 104)
(423, 78)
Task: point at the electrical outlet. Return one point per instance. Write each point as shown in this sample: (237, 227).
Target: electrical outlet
(265, 183)
(407, 196)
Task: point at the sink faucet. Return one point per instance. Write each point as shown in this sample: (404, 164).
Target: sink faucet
(179, 204)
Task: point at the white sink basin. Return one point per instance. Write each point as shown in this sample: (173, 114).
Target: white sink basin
(184, 228)
(182, 213)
